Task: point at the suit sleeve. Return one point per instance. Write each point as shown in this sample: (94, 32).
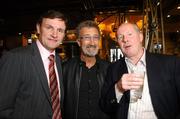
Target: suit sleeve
(9, 81)
(108, 102)
(177, 80)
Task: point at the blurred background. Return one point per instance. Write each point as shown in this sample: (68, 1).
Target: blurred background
(158, 19)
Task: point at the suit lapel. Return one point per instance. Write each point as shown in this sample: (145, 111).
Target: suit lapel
(124, 103)
(152, 67)
(38, 64)
(59, 69)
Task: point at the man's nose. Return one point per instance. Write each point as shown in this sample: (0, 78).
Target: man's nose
(92, 41)
(54, 33)
(125, 39)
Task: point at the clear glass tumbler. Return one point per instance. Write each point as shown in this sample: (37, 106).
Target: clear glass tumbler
(137, 93)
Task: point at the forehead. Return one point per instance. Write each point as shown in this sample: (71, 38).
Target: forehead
(88, 30)
(53, 22)
(126, 28)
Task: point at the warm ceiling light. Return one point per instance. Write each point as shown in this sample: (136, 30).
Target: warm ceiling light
(178, 7)
(132, 10)
(168, 16)
(158, 3)
(100, 12)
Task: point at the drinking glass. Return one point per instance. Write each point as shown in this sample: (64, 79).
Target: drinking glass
(137, 93)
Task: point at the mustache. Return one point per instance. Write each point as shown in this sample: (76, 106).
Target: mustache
(91, 46)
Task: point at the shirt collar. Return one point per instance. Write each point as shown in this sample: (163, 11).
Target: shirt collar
(142, 59)
(43, 51)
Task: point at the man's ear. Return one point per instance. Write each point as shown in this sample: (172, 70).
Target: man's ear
(78, 42)
(141, 37)
(38, 28)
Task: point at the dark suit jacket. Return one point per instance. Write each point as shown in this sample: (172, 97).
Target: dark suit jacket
(163, 74)
(24, 91)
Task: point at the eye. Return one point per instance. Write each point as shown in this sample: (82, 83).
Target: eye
(120, 37)
(129, 34)
(49, 27)
(87, 37)
(61, 30)
(96, 37)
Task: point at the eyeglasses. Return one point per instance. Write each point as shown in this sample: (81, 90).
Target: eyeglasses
(89, 38)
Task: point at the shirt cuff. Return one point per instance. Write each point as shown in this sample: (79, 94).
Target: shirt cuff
(118, 93)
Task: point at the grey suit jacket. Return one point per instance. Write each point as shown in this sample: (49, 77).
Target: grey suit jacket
(164, 86)
(24, 91)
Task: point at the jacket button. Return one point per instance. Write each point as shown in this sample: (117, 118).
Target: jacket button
(112, 101)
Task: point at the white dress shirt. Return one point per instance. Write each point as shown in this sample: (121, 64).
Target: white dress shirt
(142, 109)
(44, 55)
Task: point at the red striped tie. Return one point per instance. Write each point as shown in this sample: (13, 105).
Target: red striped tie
(54, 91)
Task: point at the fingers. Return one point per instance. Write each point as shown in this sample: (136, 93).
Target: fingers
(124, 82)
(131, 81)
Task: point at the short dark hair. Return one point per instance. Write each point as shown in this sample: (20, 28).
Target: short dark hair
(52, 14)
(87, 23)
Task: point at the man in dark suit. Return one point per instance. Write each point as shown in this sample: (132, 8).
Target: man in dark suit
(24, 76)
(160, 97)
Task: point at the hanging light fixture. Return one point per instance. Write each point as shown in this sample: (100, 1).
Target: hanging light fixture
(178, 7)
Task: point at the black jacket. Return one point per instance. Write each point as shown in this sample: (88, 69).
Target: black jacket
(72, 70)
(163, 74)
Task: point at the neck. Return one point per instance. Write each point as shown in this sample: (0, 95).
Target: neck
(135, 59)
(90, 61)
